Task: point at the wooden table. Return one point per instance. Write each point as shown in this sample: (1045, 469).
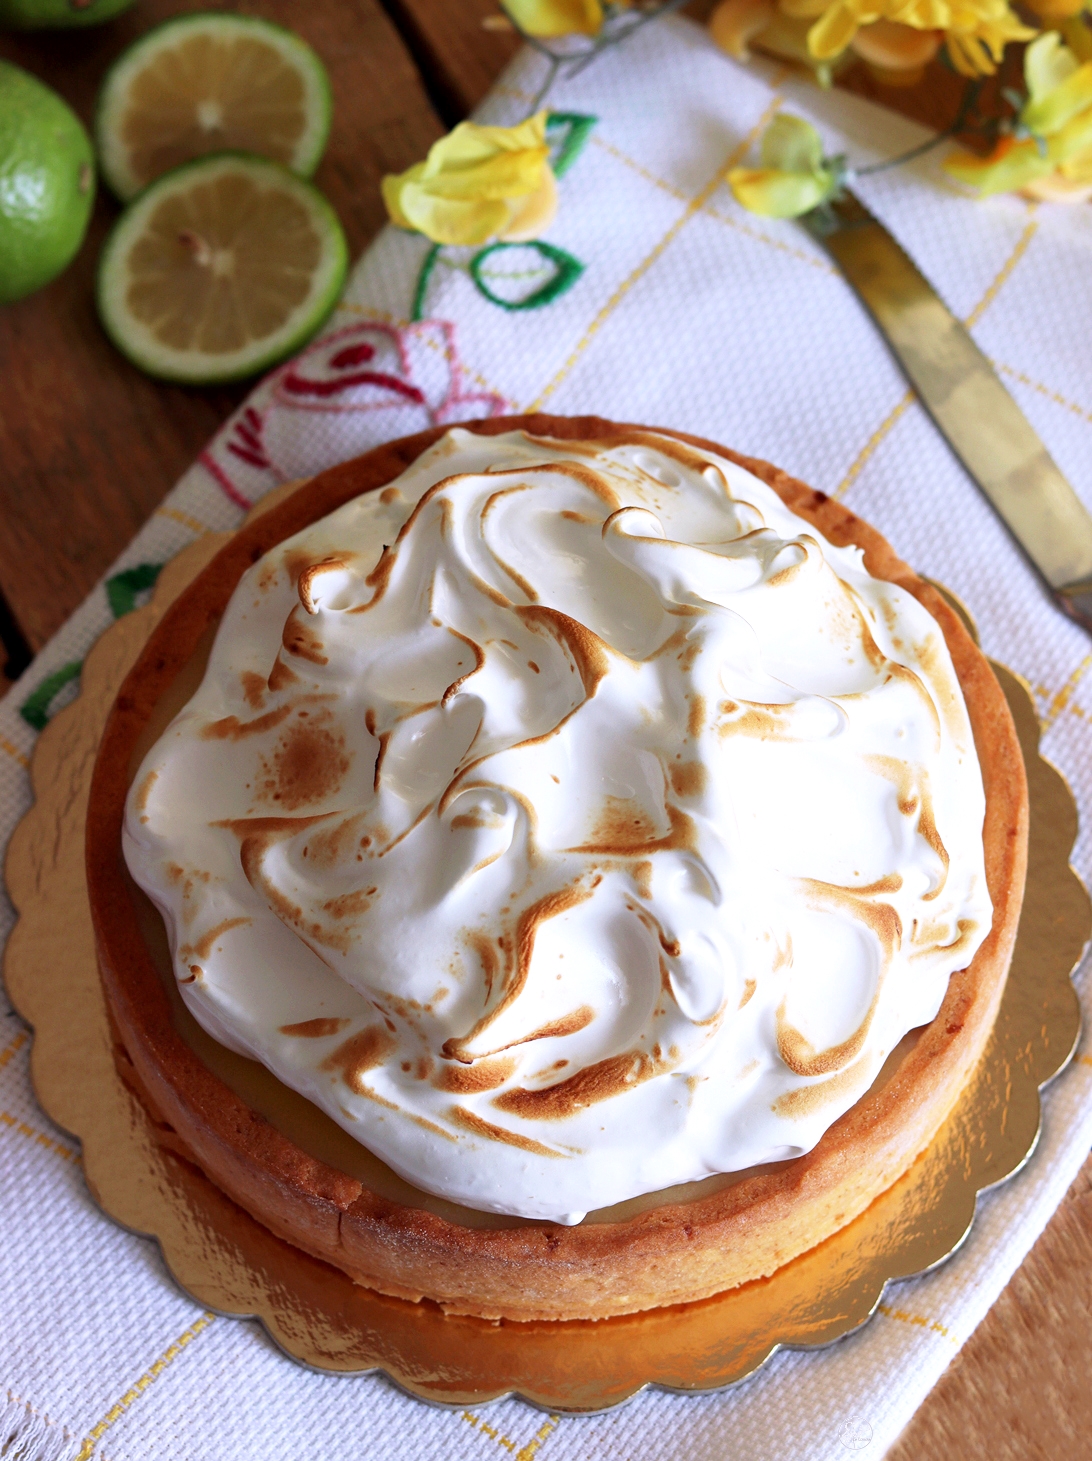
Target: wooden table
(89, 447)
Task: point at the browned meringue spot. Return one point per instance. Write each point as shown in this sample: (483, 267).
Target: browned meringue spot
(569, 1024)
(281, 676)
(145, 790)
(901, 672)
(231, 728)
(688, 778)
(483, 1075)
(517, 962)
(196, 972)
(881, 918)
(786, 574)
(479, 660)
(805, 1099)
(927, 828)
(749, 988)
(254, 687)
(358, 1054)
(930, 656)
(749, 718)
(203, 947)
(296, 560)
(389, 495)
(598, 1082)
(308, 765)
(317, 1029)
(306, 582)
(331, 844)
(925, 933)
(642, 876)
(798, 1053)
(301, 640)
(588, 651)
(783, 958)
(966, 928)
(256, 837)
(483, 946)
(685, 455)
(350, 905)
(460, 1116)
(625, 829)
(696, 718)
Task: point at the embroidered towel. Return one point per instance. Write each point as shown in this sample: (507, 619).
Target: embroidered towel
(653, 298)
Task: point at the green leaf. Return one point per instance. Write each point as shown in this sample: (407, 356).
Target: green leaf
(565, 271)
(123, 588)
(35, 708)
(578, 128)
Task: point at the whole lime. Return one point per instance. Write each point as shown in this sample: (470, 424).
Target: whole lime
(57, 14)
(47, 183)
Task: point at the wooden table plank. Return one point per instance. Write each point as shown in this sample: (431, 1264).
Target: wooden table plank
(89, 445)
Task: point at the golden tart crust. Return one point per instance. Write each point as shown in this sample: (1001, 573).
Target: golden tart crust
(675, 1252)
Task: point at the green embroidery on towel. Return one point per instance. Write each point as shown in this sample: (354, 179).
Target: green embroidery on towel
(123, 590)
(578, 128)
(568, 133)
(35, 708)
(418, 312)
(565, 270)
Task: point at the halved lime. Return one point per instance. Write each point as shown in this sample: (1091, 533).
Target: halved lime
(220, 269)
(209, 83)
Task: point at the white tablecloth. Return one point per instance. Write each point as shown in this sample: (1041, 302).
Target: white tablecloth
(688, 313)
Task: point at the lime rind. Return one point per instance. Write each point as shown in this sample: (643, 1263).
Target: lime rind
(47, 183)
(57, 14)
(192, 367)
(113, 95)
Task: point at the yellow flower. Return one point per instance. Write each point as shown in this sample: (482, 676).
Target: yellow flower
(549, 18)
(975, 31)
(1056, 158)
(478, 184)
(792, 179)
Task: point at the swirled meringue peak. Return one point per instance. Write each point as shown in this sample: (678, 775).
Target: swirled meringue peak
(568, 821)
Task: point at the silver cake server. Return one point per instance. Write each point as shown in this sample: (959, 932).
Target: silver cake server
(972, 409)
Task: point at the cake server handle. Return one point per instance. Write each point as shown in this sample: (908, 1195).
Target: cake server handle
(971, 408)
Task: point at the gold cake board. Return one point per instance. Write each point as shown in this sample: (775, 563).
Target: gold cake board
(230, 1263)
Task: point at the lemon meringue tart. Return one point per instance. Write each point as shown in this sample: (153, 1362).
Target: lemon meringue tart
(555, 868)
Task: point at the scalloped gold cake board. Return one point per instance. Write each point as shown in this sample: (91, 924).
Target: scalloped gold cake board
(230, 1263)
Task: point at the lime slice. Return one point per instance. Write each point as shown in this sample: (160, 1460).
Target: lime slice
(220, 269)
(47, 183)
(210, 83)
(58, 14)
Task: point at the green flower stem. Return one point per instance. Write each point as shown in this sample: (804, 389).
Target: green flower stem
(970, 97)
(427, 266)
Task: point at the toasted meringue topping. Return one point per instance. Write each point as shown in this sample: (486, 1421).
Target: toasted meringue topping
(573, 823)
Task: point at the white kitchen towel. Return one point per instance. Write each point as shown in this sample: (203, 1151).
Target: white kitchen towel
(653, 298)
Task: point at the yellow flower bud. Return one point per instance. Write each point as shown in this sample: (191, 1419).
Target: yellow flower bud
(976, 31)
(478, 184)
(1056, 159)
(549, 18)
(792, 179)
